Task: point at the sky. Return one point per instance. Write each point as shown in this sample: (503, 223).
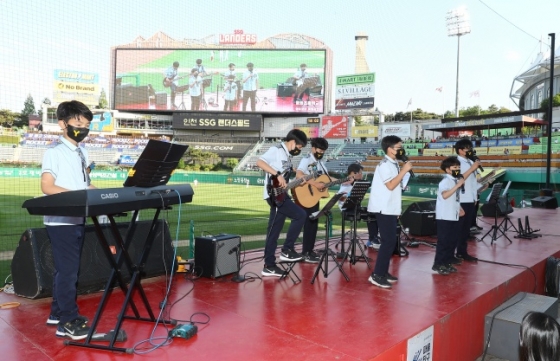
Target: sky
(408, 46)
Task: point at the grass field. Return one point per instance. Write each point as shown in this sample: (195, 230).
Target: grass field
(215, 209)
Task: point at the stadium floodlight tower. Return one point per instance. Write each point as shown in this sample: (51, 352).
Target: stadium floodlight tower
(458, 25)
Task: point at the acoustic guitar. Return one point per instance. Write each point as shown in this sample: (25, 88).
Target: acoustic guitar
(307, 195)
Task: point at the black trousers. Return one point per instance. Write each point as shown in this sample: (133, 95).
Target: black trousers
(446, 235)
(310, 230)
(464, 228)
(387, 225)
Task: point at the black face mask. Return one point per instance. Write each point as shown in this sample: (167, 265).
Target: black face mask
(75, 133)
(401, 155)
(456, 174)
(318, 156)
(295, 151)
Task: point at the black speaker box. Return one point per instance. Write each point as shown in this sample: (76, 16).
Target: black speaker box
(413, 217)
(216, 256)
(489, 209)
(284, 90)
(426, 206)
(131, 95)
(421, 223)
(33, 266)
(544, 202)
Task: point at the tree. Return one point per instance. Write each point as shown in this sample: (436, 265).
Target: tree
(28, 109)
(8, 118)
(555, 102)
(232, 162)
(103, 103)
(358, 120)
(46, 101)
(201, 158)
(493, 109)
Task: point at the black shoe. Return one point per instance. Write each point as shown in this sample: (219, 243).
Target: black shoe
(310, 257)
(390, 278)
(451, 269)
(75, 329)
(478, 227)
(272, 271)
(441, 269)
(467, 257)
(290, 255)
(455, 261)
(379, 281)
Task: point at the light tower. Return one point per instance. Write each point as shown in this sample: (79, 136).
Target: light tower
(457, 25)
(361, 63)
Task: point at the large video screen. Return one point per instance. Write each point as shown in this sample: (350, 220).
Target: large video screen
(200, 80)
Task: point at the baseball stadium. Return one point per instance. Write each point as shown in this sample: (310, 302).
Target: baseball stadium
(185, 245)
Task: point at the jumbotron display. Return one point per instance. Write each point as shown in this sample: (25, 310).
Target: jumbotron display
(220, 80)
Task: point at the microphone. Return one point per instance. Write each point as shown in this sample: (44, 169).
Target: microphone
(472, 156)
(404, 158)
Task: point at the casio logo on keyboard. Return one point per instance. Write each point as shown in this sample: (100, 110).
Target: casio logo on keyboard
(109, 195)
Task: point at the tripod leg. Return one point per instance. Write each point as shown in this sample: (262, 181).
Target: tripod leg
(320, 266)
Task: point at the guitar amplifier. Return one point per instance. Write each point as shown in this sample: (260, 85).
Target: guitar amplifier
(161, 98)
(284, 90)
(217, 256)
(421, 223)
(126, 95)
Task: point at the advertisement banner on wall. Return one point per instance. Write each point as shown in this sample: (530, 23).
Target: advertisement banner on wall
(400, 130)
(358, 103)
(216, 121)
(334, 127)
(76, 85)
(355, 91)
(365, 131)
(309, 130)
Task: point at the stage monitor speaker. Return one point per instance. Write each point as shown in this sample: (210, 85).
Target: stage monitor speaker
(33, 266)
(504, 339)
(126, 95)
(544, 202)
(409, 221)
(421, 223)
(216, 256)
(284, 90)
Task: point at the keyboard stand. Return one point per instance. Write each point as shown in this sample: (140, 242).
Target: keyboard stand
(288, 267)
(135, 269)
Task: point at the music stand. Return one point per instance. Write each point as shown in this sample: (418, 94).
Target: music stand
(494, 198)
(352, 204)
(328, 252)
(156, 164)
(153, 168)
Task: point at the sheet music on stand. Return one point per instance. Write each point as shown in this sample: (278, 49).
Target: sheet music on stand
(495, 194)
(155, 165)
(359, 190)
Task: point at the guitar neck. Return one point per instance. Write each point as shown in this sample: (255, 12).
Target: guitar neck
(338, 181)
(297, 182)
